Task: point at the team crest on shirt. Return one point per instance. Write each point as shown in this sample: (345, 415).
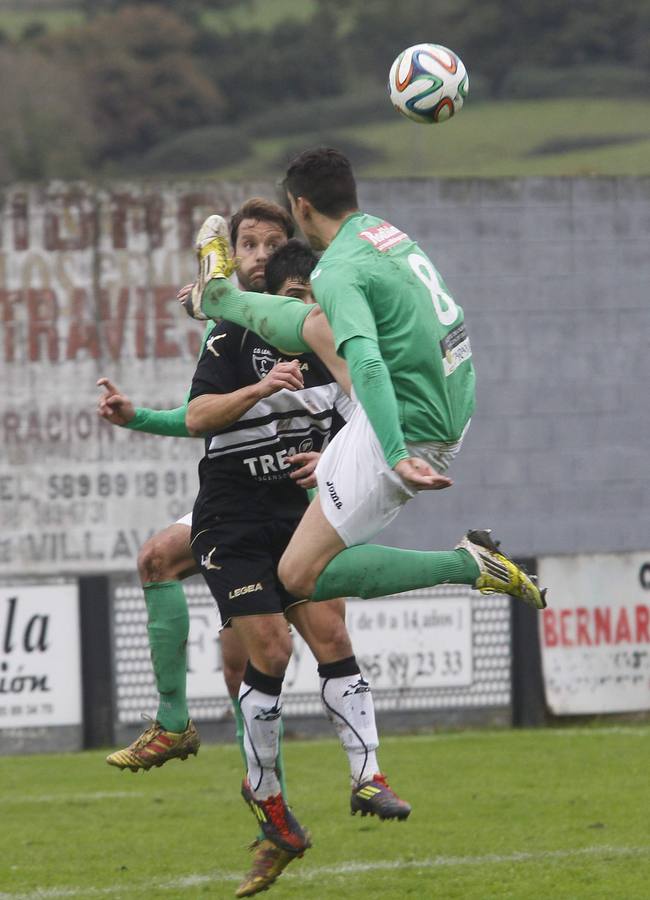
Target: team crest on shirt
(263, 361)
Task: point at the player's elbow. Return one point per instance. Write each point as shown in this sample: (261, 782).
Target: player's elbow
(194, 421)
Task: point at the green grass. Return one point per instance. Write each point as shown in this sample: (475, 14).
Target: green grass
(258, 14)
(603, 137)
(558, 814)
(14, 22)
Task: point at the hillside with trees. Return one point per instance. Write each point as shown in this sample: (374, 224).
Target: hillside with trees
(124, 88)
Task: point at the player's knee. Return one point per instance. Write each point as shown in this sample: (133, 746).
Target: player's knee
(272, 655)
(296, 580)
(277, 659)
(156, 561)
(151, 561)
(165, 557)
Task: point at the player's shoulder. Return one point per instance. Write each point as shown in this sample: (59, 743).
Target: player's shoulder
(226, 335)
(227, 329)
(363, 239)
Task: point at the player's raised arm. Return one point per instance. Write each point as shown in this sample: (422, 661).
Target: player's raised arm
(210, 412)
(118, 409)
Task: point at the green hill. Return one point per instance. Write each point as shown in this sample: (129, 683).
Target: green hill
(535, 137)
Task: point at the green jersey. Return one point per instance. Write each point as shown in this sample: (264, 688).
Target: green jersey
(374, 282)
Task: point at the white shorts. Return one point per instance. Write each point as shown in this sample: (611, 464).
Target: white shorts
(186, 520)
(359, 493)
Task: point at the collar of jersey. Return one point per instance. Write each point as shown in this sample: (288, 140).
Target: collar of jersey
(347, 219)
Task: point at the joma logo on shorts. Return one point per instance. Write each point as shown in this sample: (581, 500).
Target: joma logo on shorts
(246, 589)
(336, 500)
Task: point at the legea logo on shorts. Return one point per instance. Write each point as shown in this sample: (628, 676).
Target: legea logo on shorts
(336, 500)
(246, 589)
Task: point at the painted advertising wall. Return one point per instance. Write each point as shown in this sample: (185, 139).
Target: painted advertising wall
(88, 280)
(552, 275)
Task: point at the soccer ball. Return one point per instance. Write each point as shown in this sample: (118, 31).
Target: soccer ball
(428, 83)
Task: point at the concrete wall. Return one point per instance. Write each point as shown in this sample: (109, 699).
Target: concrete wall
(553, 275)
(554, 278)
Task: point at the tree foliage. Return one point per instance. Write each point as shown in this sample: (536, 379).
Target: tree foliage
(137, 77)
(143, 82)
(45, 127)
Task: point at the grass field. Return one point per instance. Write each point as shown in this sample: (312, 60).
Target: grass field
(511, 814)
(524, 138)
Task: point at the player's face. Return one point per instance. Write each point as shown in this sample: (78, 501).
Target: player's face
(256, 241)
(294, 287)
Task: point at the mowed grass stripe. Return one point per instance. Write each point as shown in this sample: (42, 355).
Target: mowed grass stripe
(516, 814)
(344, 870)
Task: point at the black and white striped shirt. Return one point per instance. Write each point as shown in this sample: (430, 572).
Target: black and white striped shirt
(244, 473)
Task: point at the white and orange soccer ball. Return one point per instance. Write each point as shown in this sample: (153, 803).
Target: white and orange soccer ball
(428, 83)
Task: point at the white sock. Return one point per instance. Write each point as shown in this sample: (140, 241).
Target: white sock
(347, 700)
(261, 712)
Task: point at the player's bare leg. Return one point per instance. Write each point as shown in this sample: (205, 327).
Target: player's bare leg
(317, 564)
(313, 545)
(317, 333)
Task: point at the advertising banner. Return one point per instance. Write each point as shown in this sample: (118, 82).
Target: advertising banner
(40, 663)
(437, 648)
(595, 635)
(88, 283)
(410, 643)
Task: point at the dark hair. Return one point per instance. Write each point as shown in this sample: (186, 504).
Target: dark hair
(264, 210)
(324, 177)
(293, 260)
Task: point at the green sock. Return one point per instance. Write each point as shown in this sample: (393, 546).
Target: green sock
(373, 571)
(278, 320)
(168, 626)
(239, 730)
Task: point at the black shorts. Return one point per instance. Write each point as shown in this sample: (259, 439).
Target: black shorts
(239, 562)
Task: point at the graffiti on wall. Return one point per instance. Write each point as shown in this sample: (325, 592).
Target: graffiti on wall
(88, 281)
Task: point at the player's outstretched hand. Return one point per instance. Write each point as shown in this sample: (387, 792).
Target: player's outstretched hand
(113, 406)
(283, 375)
(305, 472)
(184, 293)
(189, 298)
(420, 475)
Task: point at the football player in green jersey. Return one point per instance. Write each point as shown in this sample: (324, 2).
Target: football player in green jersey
(386, 312)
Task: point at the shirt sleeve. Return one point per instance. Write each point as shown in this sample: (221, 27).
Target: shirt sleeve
(374, 390)
(342, 298)
(167, 422)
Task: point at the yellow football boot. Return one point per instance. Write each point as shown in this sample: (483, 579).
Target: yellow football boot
(215, 261)
(155, 746)
(498, 573)
(269, 862)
